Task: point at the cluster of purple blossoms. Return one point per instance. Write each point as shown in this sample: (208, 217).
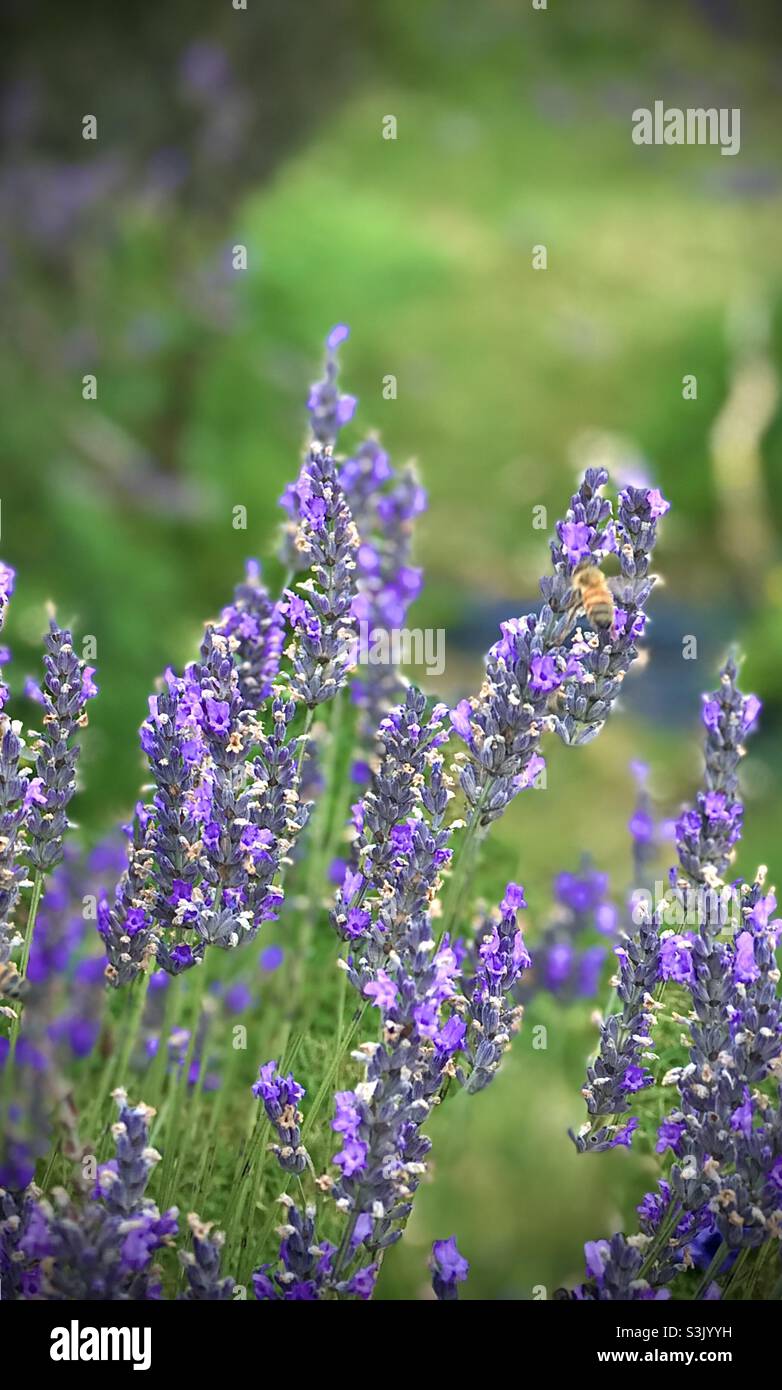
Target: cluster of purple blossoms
(306, 1269)
(615, 1271)
(322, 653)
(68, 685)
(254, 625)
(384, 505)
(7, 582)
(723, 1193)
(499, 958)
(226, 812)
(587, 696)
(98, 1247)
(124, 924)
(705, 835)
(449, 1268)
(202, 1264)
(13, 796)
(392, 845)
(618, 1069)
(540, 664)
(563, 965)
(328, 408)
(280, 1096)
(383, 1151)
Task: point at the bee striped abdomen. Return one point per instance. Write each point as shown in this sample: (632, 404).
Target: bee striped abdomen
(594, 595)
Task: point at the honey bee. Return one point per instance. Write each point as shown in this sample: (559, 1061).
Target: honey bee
(592, 595)
(12, 984)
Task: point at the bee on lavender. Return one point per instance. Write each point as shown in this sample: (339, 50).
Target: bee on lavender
(592, 595)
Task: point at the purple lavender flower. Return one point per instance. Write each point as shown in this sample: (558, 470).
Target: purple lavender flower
(12, 810)
(324, 633)
(280, 1096)
(493, 1017)
(394, 851)
(328, 409)
(102, 1249)
(202, 1264)
(706, 835)
(449, 1268)
(537, 655)
(68, 685)
(585, 701)
(256, 626)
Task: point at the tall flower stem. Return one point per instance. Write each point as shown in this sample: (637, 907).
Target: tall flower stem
(115, 1073)
(173, 1125)
(317, 868)
(32, 913)
(717, 1262)
(463, 865)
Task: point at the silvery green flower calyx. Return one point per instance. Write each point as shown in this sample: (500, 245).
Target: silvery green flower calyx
(67, 686)
(202, 1264)
(319, 614)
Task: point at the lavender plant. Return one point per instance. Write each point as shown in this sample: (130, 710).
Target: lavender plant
(331, 1140)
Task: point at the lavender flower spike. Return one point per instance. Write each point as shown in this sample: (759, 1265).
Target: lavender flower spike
(706, 835)
(328, 409)
(13, 789)
(617, 1071)
(536, 657)
(255, 627)
(280, 1096)
(586, 699)
(324, 630)
(7, 581)
(202, 1264)
(493, 1015)
(68, 685)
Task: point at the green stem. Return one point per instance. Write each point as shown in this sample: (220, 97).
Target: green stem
(32, 913)
(664, 1230)
(716, 1264)
(114, 1073)
(462, 865)
(172, 1146)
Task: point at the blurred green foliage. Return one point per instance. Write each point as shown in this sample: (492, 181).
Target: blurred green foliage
(513, 131)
